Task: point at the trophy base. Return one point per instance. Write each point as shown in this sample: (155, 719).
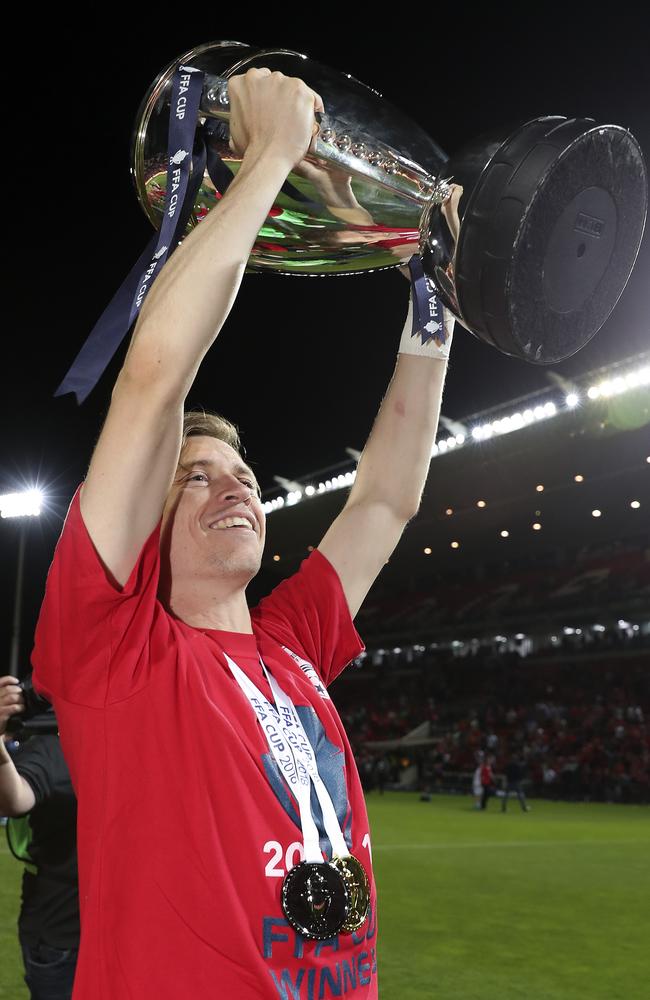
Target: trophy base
(549, 237)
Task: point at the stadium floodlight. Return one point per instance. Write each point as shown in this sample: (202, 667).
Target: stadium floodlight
(25, 504)
(620, 383)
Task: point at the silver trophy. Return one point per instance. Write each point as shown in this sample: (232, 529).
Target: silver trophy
(529, 236)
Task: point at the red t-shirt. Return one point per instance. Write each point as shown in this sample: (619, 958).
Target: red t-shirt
(185, 828)
(487, 778)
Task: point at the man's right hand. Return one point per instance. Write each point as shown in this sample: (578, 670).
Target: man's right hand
(12, 700)
(272, 114)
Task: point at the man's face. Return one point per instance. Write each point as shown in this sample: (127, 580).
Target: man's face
(213, 521)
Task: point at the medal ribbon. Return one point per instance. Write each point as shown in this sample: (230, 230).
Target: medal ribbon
(283, 729)
(304, 750)
(293, 772)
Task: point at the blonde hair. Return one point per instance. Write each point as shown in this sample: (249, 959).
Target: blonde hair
(205, 423)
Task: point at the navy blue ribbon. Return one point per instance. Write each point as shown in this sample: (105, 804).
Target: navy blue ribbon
(116, 320)
(428, 315)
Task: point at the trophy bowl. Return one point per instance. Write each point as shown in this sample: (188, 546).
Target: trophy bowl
(529, 234)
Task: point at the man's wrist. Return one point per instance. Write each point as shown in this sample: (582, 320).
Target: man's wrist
(433, 340)
(273, 159)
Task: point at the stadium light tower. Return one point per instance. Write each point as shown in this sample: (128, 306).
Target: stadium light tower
(23, 505)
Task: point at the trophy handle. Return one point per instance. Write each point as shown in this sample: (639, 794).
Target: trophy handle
(341, 146)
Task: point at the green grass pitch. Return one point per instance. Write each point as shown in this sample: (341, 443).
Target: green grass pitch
(549, 905)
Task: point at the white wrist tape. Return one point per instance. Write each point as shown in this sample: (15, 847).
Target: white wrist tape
(434, 339)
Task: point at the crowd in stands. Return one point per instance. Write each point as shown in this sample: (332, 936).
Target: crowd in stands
(559, 580)
(579, 723)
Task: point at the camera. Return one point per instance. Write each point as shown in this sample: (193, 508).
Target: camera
(38, 716)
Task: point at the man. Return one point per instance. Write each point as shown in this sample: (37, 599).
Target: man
(514, 773)
(35, 790)
(488, 781)
(477, 784)
(185, 844)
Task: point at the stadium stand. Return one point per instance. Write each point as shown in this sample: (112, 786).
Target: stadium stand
(515, 616)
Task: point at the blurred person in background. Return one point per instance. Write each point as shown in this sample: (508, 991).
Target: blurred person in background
(514, 773)
(37, 795)
(477, 786)
(488, 781)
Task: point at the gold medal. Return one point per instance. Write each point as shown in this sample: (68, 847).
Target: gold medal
(316, 899)
(356, 880)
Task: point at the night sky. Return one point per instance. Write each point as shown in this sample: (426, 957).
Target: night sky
(302, 363)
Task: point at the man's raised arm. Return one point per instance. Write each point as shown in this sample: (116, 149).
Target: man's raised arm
(392, 470)
(272, 123)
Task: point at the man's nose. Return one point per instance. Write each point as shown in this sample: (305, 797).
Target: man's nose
(236, 491)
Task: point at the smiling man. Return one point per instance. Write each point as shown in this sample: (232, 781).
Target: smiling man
(224, 848)
(214, 543)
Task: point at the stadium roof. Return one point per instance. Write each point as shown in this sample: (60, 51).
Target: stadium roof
(521, 477)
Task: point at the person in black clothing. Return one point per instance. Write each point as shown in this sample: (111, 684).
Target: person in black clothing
(514, 773)
(36, 793)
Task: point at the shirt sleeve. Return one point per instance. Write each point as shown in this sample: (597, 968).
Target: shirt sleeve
(93, 637)
(34, 762)
(308, 613)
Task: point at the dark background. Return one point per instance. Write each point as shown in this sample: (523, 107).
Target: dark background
(301, 364)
